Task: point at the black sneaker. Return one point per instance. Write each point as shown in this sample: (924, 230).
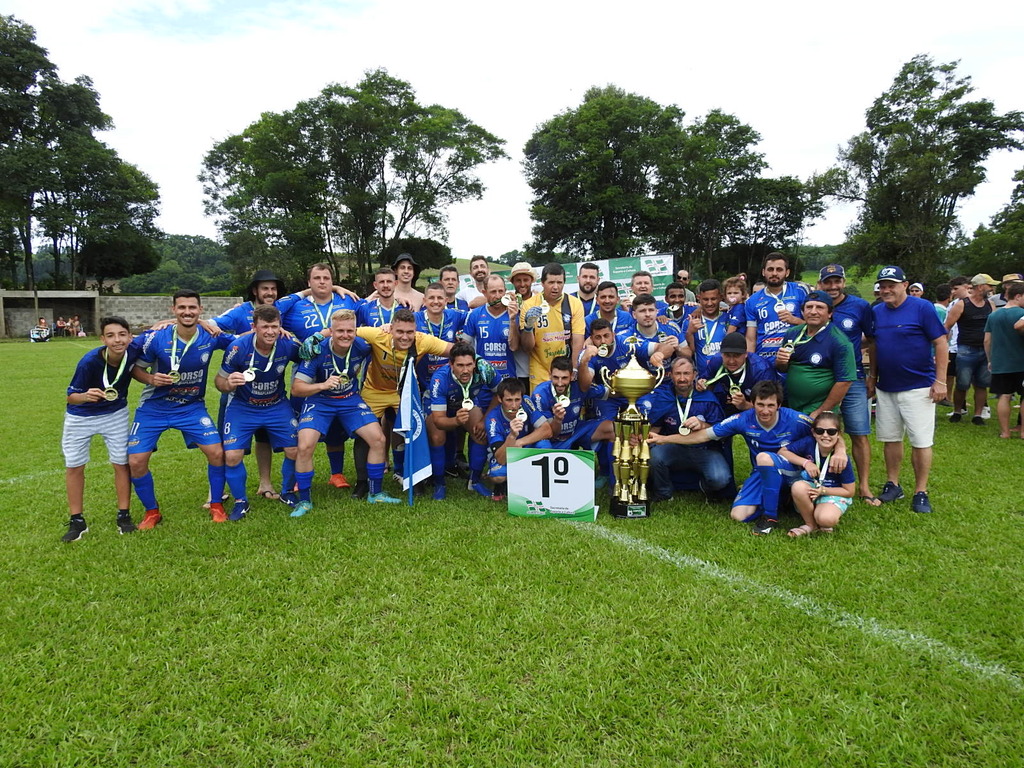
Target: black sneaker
(76, 527)
(360, 490)
(955, 416)
(920, 502)
(890, 492)
(978, 420)
(763, 526)
(125, 525)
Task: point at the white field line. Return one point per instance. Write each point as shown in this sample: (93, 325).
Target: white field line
(28, 478)
(910, 641)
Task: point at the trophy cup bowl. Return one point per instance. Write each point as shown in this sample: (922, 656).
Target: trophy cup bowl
(632, 382)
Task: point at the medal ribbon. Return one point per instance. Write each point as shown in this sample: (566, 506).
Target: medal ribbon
(802, 339)
(270, 359)
(107, 384)
(380, 313)
(710, 328)
(334, 362)
(820, 463)
(465, 389)
(684, 415)
(325, 320)
(175, 359)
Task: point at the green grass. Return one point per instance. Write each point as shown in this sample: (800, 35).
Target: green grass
(452, 634)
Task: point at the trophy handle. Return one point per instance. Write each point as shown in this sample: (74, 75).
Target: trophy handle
(604, 378)
(660, 377)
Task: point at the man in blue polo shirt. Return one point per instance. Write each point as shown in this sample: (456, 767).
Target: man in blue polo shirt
(173, 364)
(732, 373)
(910, 345)
(852, 315)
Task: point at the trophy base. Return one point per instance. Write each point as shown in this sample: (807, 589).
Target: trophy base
(630, 509)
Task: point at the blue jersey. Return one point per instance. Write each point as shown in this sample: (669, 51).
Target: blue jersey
(665, 408)
(497, 424)
(737, 317)
(707, 341)
(903, 344)
(662, 333)
(789, 427)
(754, 369)
(446, 330)
(373, 314)
(678, 317)
(623, 321)
(489, 336)
(193, 365)
(460, 304)
(853, 317)
(759, 311)
(588, 304)
(237, 320)
(447, 393)
(268, 387)
(89, 374)
(327, 363)
(807, 448)
(303, 317)
(544, 399)
(617, 358)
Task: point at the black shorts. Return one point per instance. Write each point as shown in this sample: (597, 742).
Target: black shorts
(1007, 384)
(951, 366)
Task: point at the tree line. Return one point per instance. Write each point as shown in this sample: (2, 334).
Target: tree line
(360, 173)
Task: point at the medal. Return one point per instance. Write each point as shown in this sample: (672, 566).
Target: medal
(249, 374)
(673, 308)
(662, 335)
(545, 308)
(684, 415)
(603, 350)
(630, 296)
(175, 359)
(705, 350)
(789, 346)
(110, 394)
(684, 430)
(175, 376)
(563, 400)
(521, 415)
(780, 306)
(343, 380)
(467, 404)
(506, 300)
(735, 390)
(341, 373)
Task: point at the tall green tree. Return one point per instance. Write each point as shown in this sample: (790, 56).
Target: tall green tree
(596, 173)
(343, 174)
(922, 154)
(998, 248)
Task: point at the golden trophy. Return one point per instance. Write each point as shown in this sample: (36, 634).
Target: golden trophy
(630, 452)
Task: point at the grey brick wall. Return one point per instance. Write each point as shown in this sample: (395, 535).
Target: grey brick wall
(143, 311)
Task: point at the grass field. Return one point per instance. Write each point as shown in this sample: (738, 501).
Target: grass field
(450, 634)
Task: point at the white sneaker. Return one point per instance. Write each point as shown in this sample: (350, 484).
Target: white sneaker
(986, 412)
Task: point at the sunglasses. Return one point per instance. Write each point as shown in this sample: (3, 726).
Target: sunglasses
(826, 431)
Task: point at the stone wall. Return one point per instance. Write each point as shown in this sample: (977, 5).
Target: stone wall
(143, 311)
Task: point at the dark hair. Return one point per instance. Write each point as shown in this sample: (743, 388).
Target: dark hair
(561, 363)
(775, 256)
(828, 416)
(448, 268)
(1014, 290)
(403, 315)
(115, 320)
(766, 389)
(268, 313)
(588, 265)
(959, 280)
(477, 258)
(461, 349)
(599, 325)
(942, 292)
(553, 269)
(674, 286)
(510, 385)
(709, 285)
(185, 293)
(383, 271)
(644, 298)
(434, 287)
(604, 285)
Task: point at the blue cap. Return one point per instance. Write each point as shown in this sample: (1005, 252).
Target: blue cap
(832, 270)
(821, 296)
(892, 274)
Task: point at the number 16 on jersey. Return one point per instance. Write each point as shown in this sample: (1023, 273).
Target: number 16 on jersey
(547, 483)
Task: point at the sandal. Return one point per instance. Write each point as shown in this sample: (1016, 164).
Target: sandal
(802, 530)
(271, 495)
(871, 501)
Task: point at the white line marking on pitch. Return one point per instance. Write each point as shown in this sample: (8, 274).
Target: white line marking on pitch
(911, 641)
(26, 478)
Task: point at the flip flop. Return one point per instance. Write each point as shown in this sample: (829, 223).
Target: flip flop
(271, 495)
(803, 530)
(871, 501)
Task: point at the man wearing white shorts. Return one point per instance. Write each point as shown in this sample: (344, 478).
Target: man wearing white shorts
(98, 405)
(903, 378)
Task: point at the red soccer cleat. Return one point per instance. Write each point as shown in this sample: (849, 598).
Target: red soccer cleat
(338, 481)
(150, 520)
(217, 513)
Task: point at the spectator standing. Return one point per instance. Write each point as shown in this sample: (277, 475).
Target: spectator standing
(972, 368)
(1004, 346)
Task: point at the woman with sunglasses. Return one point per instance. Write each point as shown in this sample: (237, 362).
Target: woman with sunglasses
(821, 497)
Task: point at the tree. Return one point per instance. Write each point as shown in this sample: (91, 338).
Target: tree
(596, 173)
(923, 152)
(997, 248)
(342, 175)
(429, 254)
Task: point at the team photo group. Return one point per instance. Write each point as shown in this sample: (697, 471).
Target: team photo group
(789, 368)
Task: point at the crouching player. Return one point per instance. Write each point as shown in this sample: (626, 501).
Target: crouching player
(330, 381)
(560, 400)
(820, 495)
(459, 394)
(252, 375)
(513, 423)
(98, 405)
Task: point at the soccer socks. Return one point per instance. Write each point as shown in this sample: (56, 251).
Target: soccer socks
(337, 459)
(437, 463)
(216, 477)
(604, 458)
(398, 454)
(236, 477)
(305, 481)
(477, 459)
(144, 490)
(771, 486)
(375, 475)
(287, 474)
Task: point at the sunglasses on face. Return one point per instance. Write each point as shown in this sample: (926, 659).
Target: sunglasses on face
(826, 431)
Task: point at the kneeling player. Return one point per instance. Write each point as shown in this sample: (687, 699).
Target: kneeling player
(513, 423)
(459, 394)
(253, 376)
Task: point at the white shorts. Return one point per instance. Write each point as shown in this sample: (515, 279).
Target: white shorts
(79, 431)
(911, 412)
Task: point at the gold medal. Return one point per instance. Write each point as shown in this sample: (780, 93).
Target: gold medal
(789, 346)
(249, 374)
(467, 404)
(110, 394)
(603, 350)
(684, 430)
(521, 415)
(175, 376)
(563, 400)
(735, 390)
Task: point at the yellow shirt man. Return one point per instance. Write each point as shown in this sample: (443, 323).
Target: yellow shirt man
(388, 356)
(552, 335)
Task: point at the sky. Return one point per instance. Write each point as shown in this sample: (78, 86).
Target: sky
(177, 76)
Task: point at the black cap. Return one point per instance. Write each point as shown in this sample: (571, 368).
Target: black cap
(407, 257)
(734, 342)
(265, 276)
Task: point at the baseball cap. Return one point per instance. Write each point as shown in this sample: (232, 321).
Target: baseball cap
(982, 279)
(821, 296)
(891, 274)
(1013, 277)
(831, 270)
(734, 342)
(917, 285)
(522, 268)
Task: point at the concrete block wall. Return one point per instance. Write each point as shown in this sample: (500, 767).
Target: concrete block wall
(143, 311)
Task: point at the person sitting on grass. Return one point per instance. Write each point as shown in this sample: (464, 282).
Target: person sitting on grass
(820, 496)
(513, 423)
(98, 405)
